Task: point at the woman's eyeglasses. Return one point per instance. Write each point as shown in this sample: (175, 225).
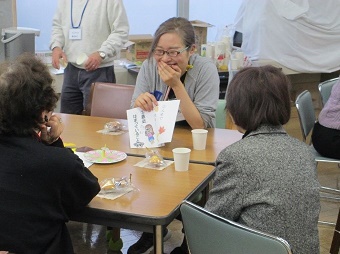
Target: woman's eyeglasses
(171, 52)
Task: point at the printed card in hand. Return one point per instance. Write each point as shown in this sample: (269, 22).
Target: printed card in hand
(152, 129)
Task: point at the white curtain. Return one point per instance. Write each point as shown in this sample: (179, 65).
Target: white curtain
(303, 35)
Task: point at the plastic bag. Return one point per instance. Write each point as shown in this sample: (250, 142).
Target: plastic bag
(154, 158)
(116, 185)
(113, 126)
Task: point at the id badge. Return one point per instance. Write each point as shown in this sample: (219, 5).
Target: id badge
(74, 34)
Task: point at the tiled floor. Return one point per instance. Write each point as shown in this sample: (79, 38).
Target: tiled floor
(91, 238)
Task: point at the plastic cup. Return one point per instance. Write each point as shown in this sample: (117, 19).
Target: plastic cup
(239, 55)
(62, 62)
(199, 138)
(234, 63)
(181, 158)
(81, 59)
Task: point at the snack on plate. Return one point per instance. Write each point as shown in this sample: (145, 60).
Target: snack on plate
(113, 126)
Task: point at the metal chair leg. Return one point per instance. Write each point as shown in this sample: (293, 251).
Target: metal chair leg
(326, 223)
(330, 190)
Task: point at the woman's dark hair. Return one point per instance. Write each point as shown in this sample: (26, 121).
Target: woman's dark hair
(259, 95)
(178, 25)
(25, 92)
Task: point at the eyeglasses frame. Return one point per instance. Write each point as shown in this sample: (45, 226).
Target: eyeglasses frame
(167, 52)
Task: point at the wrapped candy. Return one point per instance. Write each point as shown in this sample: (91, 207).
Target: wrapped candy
(113, 126)
(154, 158)
(109, 185)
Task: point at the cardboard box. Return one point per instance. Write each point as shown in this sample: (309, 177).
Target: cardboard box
(201, 32)
(138, 47)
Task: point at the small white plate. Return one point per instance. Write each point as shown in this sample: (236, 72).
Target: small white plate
(111, 156)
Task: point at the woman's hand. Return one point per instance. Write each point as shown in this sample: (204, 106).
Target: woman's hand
(146, 101)
(51, 130)
(171, 75)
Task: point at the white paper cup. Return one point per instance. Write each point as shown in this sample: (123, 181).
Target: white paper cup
(199, 138)
(81, 59)
(181, 158)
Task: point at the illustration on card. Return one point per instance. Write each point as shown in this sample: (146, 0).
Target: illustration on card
(150, 133)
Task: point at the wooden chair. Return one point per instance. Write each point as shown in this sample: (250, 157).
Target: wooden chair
(109, 100)
(209, 233)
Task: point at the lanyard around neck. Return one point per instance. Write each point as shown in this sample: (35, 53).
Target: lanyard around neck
(81, 17)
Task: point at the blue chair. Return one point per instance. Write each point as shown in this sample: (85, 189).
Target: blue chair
(325, 89)
(221, 114)
(209, 233)
(306, 113)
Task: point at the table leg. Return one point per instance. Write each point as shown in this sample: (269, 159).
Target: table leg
(335, 246)
(158, 239)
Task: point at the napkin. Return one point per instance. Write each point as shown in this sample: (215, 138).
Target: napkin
(81, 156)
(145, 164)
(115, 194)
(114, 133)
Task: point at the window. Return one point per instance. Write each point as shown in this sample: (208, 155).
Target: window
(37, 14)
(216, 12)
(144, 15)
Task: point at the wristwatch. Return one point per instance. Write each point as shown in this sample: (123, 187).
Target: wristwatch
(102, 54)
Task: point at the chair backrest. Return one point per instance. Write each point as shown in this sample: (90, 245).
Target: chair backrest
(109, 100)
(325, 89)
(306, 112)
(221, 114)
(209, 233)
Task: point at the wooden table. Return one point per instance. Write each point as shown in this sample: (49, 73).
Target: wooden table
(160, 193)
(82, 131)
(155, 204)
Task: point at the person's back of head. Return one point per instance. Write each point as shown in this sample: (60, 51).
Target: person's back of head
(257, 96)
(178, 25)
(25, 92)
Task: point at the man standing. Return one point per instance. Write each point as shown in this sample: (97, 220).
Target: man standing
(87, 35)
